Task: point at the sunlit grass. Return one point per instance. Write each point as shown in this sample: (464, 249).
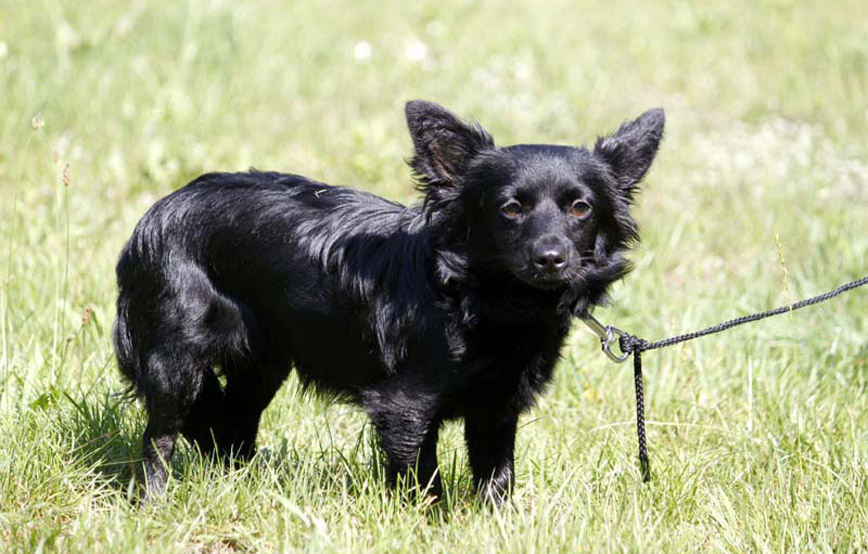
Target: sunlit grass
(758, 437)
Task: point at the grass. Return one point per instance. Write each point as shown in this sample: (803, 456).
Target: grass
(758, 437)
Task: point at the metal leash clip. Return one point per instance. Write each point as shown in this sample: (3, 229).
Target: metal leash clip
(608, 336)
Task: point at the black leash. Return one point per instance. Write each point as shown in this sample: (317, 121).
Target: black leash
(631, 344)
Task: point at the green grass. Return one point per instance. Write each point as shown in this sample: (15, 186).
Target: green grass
(758, 437)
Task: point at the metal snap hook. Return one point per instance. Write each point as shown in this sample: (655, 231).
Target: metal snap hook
(608, 336)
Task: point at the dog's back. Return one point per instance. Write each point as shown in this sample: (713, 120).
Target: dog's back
(276, 253)
(165, 290)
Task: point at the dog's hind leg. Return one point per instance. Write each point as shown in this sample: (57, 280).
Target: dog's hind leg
(206, 417)
(250, 387)
(173, 384)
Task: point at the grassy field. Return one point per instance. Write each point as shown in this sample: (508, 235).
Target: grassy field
(759, 437)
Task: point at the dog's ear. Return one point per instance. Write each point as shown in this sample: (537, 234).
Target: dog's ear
(630, 150)
(444, 144)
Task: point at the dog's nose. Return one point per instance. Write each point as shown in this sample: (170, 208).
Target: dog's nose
(550, 258)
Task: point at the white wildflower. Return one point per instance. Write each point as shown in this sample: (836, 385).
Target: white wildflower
(416, 51)
(362, 51)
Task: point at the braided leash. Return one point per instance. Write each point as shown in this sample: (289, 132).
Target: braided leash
(631, 344)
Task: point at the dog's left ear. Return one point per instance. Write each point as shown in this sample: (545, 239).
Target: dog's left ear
(630, 150)
(444, 143)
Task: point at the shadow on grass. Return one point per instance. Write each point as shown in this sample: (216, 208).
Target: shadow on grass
(105, 432)
(103, 440)
(320, 468)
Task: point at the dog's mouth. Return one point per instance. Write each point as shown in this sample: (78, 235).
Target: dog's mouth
(547, 280)
(579, 270)
(548, 283)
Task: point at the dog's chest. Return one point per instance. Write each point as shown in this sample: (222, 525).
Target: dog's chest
(508, 365)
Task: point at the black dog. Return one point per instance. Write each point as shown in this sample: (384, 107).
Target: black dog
(456, 308)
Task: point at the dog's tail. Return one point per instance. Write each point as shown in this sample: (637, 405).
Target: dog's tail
(127, 354)
(124, 350)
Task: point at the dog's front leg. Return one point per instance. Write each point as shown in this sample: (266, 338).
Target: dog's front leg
(408, 435)
(491, 447)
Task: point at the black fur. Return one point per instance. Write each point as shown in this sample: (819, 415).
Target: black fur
(455, 308)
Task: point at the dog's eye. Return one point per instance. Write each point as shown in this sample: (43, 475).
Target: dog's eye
(511, 209)
(580, 209)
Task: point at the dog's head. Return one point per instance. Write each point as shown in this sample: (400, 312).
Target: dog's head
(550, 216)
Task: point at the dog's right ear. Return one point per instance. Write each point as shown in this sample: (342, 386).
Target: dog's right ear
(444, 143)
